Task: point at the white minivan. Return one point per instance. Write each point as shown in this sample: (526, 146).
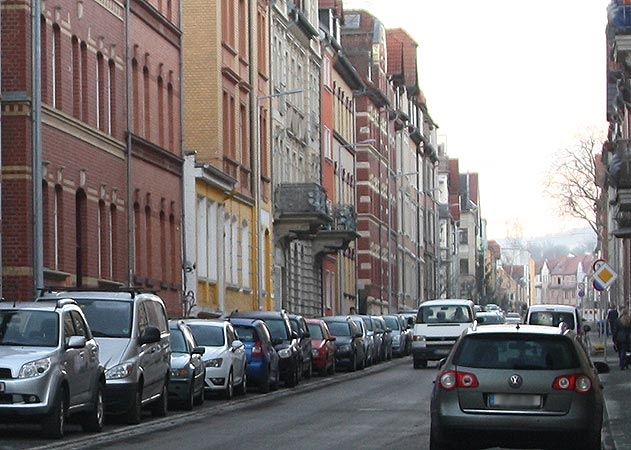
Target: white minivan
(439, 323)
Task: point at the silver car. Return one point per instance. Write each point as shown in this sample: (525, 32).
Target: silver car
(49, 366)
(517, 386)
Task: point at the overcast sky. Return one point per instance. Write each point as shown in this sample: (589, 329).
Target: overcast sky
(509, 83)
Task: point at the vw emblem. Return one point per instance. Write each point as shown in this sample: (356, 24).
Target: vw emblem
(515, 381)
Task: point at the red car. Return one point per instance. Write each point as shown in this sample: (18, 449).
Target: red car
(323, 346)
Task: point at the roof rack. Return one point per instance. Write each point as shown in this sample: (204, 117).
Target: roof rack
(64, 301)
(133, 291)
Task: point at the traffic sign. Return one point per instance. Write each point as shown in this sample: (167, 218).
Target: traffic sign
(604, 277)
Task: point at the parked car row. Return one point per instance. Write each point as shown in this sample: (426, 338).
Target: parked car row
(93, 353)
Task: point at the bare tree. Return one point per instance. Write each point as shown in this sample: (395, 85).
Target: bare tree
(573, 181)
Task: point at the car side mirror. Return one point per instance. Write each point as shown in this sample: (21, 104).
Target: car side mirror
(236, 345)
(441, 363)
(587, 328)
(76, 342)
(149, 336)
(198, 351)
(332, 338)
(294, 335)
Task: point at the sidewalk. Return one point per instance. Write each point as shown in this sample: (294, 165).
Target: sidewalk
(617, 393)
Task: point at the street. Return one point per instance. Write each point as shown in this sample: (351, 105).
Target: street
(387, 406)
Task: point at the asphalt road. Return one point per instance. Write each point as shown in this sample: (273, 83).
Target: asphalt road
(385, 406)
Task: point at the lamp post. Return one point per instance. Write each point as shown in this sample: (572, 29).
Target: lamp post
(256, 175)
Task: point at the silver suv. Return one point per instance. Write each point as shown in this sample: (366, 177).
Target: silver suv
(49, 366)
(517, 386)
(133, 332)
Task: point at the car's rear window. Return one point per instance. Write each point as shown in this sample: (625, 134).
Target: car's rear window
(444, 314)
(392, 323)
(178, 344)
(277, 328)
(339, 328)
(107, 318)
(552, 318)
(516, 352)
(208, 335)
(245, 333)
(315, 331)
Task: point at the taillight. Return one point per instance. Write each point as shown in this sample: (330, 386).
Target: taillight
(577, 383)
(453, 379)
(257, 350)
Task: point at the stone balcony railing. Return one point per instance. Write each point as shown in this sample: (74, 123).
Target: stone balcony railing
(300, 208)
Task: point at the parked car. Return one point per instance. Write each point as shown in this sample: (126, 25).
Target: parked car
(299, 325)
(371, 342)
(132, 330)
(186, 383)
(49, 360)
(513, 317)
(323, 346)
(528, 386)
(285, 342)
(224, 356)
(262, 357)
(384, 333)
(490, 318)
(349, 341)
(399, 333)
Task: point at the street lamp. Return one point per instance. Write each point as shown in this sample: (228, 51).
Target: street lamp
(256, 174)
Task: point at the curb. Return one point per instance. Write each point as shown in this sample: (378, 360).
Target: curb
(129, 431)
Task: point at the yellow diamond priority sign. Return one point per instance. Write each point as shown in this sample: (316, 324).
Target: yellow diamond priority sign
(604, 276)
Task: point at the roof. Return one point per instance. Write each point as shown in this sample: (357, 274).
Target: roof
(448, 301)
(244, 321)
(563, 308)
(314, 321)
(42, 306)
(514, 329)
(210, 322)
(98, 295)
(258, 314)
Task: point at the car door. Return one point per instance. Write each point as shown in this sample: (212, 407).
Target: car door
(238, 355)
(270, 351)
(146, 352)
(89, 357)
(306, 336)
(196, 359)
(72, 362)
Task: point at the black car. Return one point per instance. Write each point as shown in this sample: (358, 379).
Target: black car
(186, 383)
(299, 325)
(349, 342)
(286, 342)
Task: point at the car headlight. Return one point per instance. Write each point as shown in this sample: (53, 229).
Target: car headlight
(284, 353)
(345, 348)
(315, 352)
(216, 362)
(418, 338)
(34, 368)
(180, 373)
(119, 371)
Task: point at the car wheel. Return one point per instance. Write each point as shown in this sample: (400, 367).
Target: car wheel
(228, 393)
(53, 423)
(190, 398)
(161, 406)
(134, 414)
(96, 416)
(242, 388)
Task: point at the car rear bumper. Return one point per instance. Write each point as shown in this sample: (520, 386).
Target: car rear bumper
(257, 371)
(431, 353)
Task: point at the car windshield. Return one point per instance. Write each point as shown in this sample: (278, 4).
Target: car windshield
(295, 326)
(107, 318)
(208, 335)
(368, 323)
(245, 333)
(551, 318)
(339, 328)
(277, 328)
(490, 319)
(315, 331)
(517, 352)
(392, 323)
(29, 328)
(178, 343)
(444, 314)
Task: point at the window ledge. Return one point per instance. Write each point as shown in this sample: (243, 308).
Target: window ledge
(232, 287)
(102, 282)
(56, 274)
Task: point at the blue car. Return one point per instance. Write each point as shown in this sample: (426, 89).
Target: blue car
(262, 366)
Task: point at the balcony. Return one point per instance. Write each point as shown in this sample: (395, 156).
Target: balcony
(300, 209)
(340, 233)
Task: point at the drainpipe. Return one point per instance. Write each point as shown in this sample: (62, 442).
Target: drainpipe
(36, 115)
(1, 265)
(184, 266)
(131, 243)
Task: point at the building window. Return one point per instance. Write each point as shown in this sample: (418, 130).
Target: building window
(213, 241)
(81, 238)
(243, 29)
(169, 10)
(137, 239)
(262, 45)
(102, 245)
(244, 141)
(227, 22)
(245, 255)
(56, 67)
(160, 112)
(463, 236)
(263, 143)
(100, 92)
(111, 97)
(227, 250)
(149, 242)
(171, 116)
(202, 240)
(326, 71)
(328, 152)
(234, 254)
(113, 241)
(44, 58)
(464, 266)
(163, 246)
(147, 102)
(76, 78)
(85, 115)
(174, 249)
(136, 94)
(57, 225)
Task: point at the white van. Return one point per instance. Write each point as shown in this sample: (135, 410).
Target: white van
(439, 323)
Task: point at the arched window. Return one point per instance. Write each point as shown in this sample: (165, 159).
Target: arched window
(137, 239)
(160, 112)
(174, 249)
(76, 78)
(58, 224)
(113, 241)
(111, 97)
(81, 236)
(44, 58)
(84, 83)
(163, 247)
(147, 102)
(148, 242)
(245, 255)
(135, 95)
(171, 116)
(56, 67)
(100, 92)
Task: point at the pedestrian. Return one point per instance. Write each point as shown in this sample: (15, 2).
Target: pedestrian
(612, 318)
(622, 337)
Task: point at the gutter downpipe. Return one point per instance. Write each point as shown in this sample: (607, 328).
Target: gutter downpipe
(36, 137)
(131, 242)
(184, 265)
(1, 265)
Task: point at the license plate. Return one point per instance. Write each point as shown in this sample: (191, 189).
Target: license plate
(442, 351)
(514, 401)
(1, 386)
